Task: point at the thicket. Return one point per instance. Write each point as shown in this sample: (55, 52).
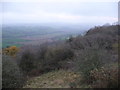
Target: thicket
(44, 59)
(105, 77)
(93, 51)
(84, 54)
(12, 77)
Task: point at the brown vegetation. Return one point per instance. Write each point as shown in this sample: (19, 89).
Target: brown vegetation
(84, 54)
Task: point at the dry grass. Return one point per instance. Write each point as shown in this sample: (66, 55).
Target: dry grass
(55, 79)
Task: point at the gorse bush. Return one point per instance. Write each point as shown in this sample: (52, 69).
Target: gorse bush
(105, 77)
(91, 59)
(88, 61)
(11, 75)
(11, 51)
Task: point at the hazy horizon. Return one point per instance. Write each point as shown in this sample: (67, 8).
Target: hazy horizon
(68, 12)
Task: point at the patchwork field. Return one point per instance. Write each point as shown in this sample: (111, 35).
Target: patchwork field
(33, 35)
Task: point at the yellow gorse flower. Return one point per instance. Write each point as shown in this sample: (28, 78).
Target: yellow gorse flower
(11, 51)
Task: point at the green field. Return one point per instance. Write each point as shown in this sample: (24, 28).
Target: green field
(12, 42)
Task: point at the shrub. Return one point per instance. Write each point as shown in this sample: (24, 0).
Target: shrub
(11, 51)
(78, 43)
(88, 62)
(44, 59)
(27, 62)
(90, 59)
(98, 37)
(53, 57)
(11, 74)
(70, 39)
(97, 41)
(42, 51)
(105, 77)
(108, 30)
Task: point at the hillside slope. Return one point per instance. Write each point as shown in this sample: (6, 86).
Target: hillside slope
(55, 79)
(83, 61)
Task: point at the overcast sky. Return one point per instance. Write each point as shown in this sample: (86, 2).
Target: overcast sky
(59, 11)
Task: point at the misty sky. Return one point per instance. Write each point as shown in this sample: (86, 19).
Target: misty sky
(59, 11)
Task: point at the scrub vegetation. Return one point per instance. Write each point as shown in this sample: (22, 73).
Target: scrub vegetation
(84, 61)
